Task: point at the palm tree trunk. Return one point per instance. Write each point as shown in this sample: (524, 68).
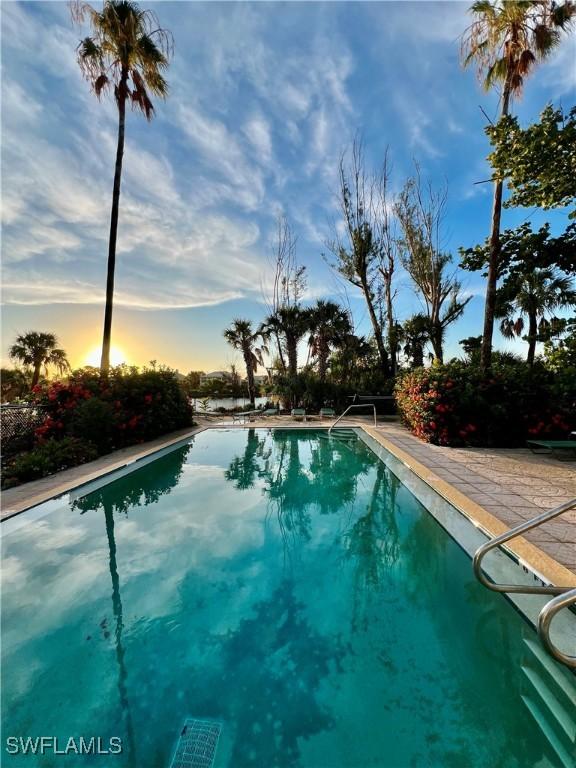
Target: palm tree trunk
(250, 377)
(106, 338)
(36, 375)
(280, 353)
(292, 351)
(418, 355)
(494, 256)
(323, 353)
(532, 335)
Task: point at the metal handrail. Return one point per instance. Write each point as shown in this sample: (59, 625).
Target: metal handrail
(511, 534)
(545, 619)
(356, 405)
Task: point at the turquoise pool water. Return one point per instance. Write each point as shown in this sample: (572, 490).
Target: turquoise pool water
(284, 585)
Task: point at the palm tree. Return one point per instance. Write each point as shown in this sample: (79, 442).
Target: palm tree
(415, 336)
(39, 349)
(126, 53)
(290, 323)
(536, 294)
(241, 336)
(506, 40)
(330, 326)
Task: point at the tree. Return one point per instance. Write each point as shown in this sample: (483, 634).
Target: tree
(534, 294)
(522, 246)
(15, 384)
(538, 162)
(126, 53)
(359, 253)
(506, 40)
(415, 335)
(420, 210)
(38, 350)
(289, 324)
(329, 327)
(472, 346)
(240, 336)
(289, 282)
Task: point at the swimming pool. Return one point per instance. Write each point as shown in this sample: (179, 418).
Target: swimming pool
(285, 586)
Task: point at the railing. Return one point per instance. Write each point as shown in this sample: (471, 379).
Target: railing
(512, 534)
(545, 619)
(17, 424)
(363, 405)
(565, 596)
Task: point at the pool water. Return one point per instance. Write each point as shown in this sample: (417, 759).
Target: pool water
(282, 584)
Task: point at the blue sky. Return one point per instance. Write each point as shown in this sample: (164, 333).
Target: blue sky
(264, 97)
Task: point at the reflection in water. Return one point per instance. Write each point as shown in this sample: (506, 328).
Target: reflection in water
(120, 653)
(378, 649)
(264, 680)
(155, 480)
(158, 479)
(373, 544)
(244, 470)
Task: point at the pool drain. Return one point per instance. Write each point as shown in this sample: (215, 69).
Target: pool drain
(197, 744)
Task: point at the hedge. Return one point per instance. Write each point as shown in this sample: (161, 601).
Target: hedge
(457, 404)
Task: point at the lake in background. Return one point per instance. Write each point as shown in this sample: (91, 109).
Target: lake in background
(228, 402)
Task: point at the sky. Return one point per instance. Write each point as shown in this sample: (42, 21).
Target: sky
(264, 98)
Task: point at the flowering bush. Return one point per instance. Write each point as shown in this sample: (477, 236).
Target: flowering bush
(457, 404)
(129, 407)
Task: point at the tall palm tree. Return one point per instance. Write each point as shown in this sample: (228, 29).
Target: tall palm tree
(290, 323)
(536, 294)
(39, 349)
(330, 326)
(506, 40)
(240, 336)
(127, 53)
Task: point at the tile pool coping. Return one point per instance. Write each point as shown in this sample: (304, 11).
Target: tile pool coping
(526, 553)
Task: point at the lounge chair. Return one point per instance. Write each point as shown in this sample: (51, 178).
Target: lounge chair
(558, 448)
(299, 413)
(270, 412)
(327, 412)
(244, 416)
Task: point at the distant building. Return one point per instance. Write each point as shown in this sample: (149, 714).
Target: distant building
(223, 376)
(259, 378)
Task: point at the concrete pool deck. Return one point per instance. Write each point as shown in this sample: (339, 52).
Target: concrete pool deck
(497, 488)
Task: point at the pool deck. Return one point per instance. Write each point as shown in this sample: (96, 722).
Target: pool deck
(496, 488)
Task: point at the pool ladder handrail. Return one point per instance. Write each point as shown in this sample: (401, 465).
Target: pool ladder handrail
(564, 596)
(354, 405)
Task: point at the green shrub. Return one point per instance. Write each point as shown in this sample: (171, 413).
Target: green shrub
(457, 404)
(307, 391)
(51, 456)
(93, 420)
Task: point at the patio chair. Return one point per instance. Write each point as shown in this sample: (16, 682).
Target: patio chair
(330, 412)
(270, 412)
(298, 413)
(562, 449)
(243, 416)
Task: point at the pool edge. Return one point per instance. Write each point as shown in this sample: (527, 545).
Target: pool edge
(527, 554)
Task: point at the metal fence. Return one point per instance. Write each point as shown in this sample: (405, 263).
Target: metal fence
(17, 425)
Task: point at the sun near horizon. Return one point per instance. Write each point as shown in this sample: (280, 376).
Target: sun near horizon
(117, 357)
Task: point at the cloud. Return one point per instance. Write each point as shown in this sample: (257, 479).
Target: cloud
(257, 131)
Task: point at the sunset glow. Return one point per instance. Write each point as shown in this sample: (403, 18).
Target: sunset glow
(117, 357)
